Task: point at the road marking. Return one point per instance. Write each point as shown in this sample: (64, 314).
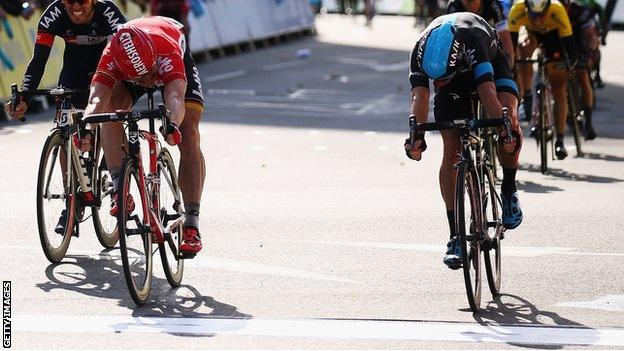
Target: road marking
(514, 251)
(607, 303)
(370, 133)
(225, 76)
(323, 328)
(282, 65)
(314, 132)
(249, 92)
(374, 65)
(213, 263)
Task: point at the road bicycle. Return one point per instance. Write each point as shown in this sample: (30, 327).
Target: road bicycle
(477, 216)
(150, 204)
(69, 180)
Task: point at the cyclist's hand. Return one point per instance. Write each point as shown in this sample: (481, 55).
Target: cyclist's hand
(603, 41)
(172, 135)
(84, 144)
(415, 153)
(19, 111)
(509, 146)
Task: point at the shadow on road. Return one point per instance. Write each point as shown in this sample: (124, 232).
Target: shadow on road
(102, 277)
(532, 187)
(565, 175)
(511, 310)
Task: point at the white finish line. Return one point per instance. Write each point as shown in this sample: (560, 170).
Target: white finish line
(320, 328)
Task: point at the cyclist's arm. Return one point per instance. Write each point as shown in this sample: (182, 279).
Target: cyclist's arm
(420, 104)
(36, 66)
(99, 98)
(489, 99)
(508, 46)
(174, 100)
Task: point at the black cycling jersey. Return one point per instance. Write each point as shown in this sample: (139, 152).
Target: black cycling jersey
(491, 11)
(581, 18)
(84, 44)
(479, 58)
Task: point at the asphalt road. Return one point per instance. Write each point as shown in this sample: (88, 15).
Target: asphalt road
(320, 233)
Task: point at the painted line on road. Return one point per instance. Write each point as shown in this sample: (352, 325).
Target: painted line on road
(323, 328)
(607, 303)
(225, 76)
(514, 251)
(282, 65)
(212, 263)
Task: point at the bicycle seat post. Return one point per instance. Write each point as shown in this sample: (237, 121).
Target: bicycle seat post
(150, 106)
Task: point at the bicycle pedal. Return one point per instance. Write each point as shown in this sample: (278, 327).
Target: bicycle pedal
(184, 256)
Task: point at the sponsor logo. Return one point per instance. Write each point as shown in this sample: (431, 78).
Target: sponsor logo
(133, 137)
(454, 96)
(133, 55)
(6, 314)
(112, 18)
(470, 59)
(26, 82)
(50, 17)
(199, 91)
(455, 53)
(164, 65)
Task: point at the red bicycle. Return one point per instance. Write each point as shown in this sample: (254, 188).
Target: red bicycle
(156, 217)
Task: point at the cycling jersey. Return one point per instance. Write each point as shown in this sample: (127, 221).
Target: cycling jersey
(492, 11)
(84, 44)
(479, 57)
(172, 59)
(553, 29)
(479, 51)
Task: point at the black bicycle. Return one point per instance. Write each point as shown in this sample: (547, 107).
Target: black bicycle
(477, 216)
(70, 180)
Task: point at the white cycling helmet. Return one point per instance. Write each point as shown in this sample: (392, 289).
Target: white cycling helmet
(537, 7)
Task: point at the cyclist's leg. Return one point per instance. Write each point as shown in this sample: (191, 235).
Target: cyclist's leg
(192, 165)
(582, 73)
(525, 72)
(558, 81)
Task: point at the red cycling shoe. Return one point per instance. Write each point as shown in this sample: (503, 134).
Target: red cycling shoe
(129, 205)
(191, 241)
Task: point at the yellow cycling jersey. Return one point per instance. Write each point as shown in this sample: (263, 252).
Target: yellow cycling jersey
(555, 19)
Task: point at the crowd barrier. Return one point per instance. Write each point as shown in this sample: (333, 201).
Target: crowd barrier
(214, 24)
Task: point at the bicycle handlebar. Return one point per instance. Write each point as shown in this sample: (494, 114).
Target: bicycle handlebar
(17, 95)
(125, 116)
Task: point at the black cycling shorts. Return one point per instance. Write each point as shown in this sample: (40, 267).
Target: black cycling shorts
(194, 96)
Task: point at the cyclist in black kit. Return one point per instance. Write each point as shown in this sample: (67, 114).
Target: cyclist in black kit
(462, 54)
(494, 13)
(85, 26)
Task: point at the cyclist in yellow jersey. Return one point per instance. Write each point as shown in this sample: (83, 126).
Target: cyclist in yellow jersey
(548, 24)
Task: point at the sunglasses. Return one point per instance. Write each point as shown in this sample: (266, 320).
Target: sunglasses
(80, 2)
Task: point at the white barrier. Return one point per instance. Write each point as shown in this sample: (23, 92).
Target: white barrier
(219, 23)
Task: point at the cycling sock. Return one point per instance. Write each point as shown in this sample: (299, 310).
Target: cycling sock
(450, 215)
(587, 113)
(560, 137)
(192, 215)
(114, 172)
(509, 181)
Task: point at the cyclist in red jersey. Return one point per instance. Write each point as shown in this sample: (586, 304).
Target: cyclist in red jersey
(143, 53)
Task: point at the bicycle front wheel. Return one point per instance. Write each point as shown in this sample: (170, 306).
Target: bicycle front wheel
(56, 203)
(135, 236)
(468, 220)
(104, 224)
(493, 226)
(170, 214)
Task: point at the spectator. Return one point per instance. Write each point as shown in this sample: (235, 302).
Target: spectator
(176, 9)
(17, 8)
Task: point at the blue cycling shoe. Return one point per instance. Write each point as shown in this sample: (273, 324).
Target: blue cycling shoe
(453, 257)
(512, 213)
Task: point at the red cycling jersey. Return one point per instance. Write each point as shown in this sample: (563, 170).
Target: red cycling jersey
(169, 43)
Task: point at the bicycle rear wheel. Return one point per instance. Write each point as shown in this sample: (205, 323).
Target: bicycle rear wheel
(493, 225)
(135, 237)
(467, 225)
(575, 119)
(170, 214)
(104, 224)
(544, 129)
(55, 194)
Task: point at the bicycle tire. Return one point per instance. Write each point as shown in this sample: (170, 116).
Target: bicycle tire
(107, 235)
(471, 250)
(129, 175)
(170, 209)
(51, 148)
(492, 206)
(543, 127)
(573, 117)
